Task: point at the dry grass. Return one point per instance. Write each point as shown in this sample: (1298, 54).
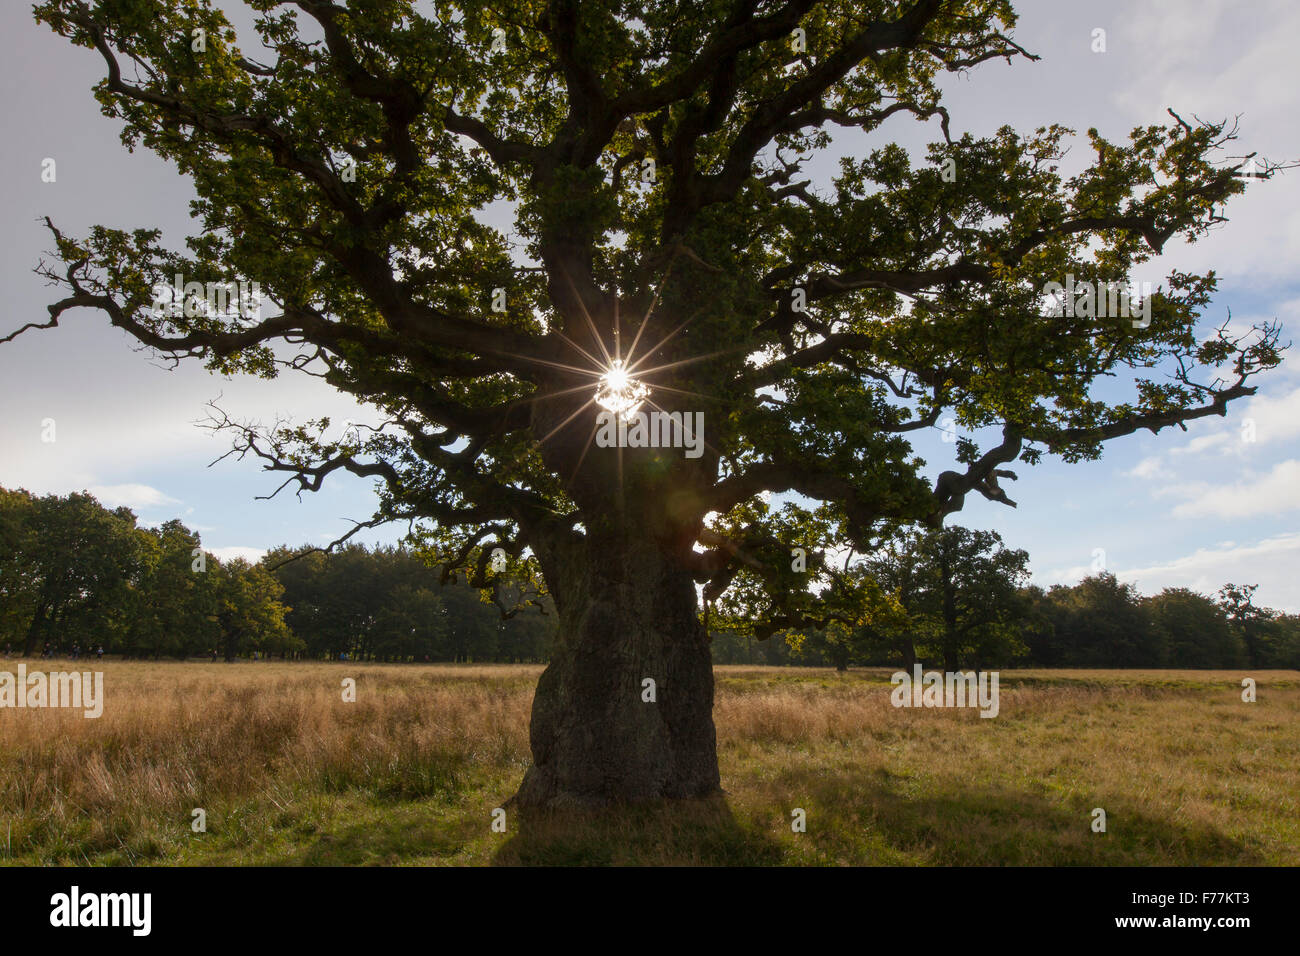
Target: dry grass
(410, 773)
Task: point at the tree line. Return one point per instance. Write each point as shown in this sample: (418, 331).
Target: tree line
(958, 598)
(76, 576)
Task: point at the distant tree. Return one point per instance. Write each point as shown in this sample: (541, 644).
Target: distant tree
(471, 623)
(19, 574)
(308, 597)
(411, 624)
(1102, 623)
(528, 638)
(859, 611)
(1250, 622)
(1039, 628)
(248, 609)
(73, 574)
(174, 603)
(354, 600)
(897, 568)
(1284, 639)
(960, 589)
(335, 598)
(740, 647)
(1193, 630)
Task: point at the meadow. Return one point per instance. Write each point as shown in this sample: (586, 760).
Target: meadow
(410, 773)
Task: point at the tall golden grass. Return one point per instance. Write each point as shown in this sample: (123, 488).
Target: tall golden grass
(287, 771)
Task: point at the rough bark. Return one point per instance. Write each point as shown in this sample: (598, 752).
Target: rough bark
(627, 612)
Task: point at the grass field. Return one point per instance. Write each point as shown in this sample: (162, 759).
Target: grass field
(410, 773)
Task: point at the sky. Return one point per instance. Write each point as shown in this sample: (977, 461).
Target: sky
(1219, 502)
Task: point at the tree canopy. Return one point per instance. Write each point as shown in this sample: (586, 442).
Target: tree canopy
(668, 247)
(818, 324)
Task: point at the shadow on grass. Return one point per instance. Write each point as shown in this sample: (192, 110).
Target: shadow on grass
(385, 841)
(875, 819)
(676, 833)
(885, 819)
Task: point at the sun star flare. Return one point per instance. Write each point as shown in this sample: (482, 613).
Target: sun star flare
(619, 392)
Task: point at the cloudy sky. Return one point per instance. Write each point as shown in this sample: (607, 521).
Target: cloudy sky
(1195, 508)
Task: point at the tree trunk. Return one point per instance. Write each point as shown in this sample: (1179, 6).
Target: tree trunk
(38, 629)
(1251, 639)
(951, 649)
(33, 635)
(627, 613)
(908, 649)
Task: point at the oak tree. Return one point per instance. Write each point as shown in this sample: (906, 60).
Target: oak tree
(668, 246)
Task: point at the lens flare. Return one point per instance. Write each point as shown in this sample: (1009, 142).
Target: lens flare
(619, 392)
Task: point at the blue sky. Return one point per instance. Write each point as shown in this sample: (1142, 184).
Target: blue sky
(1192, 509)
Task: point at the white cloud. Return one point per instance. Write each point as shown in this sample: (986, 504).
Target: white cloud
(134, 496)
(1270, 563)
(1211, 59)
(117, 430)
(1275, 417)
(1265, 424)
(251, 555)
(1202, 443)
(1148, 468)
(1275, 492)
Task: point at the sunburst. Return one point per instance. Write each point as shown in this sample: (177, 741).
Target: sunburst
(619, 392)
(617, 382)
